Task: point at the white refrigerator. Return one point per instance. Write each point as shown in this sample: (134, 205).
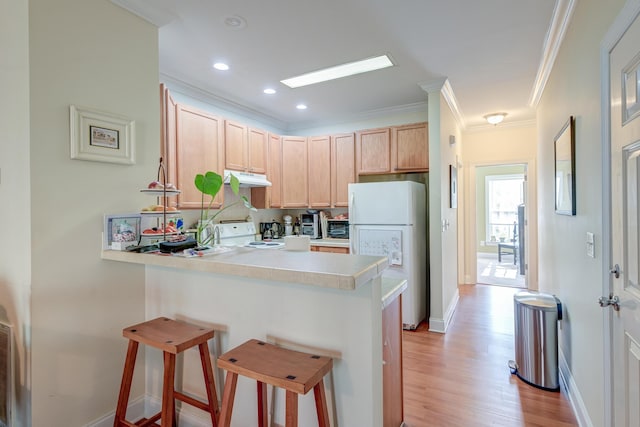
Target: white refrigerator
(389, 219)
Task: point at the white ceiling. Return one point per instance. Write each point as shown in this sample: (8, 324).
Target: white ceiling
(490, 51)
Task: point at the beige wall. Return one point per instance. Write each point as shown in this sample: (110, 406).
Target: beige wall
(93, 54)
(574, 90)
(493, 146)
(15, 257)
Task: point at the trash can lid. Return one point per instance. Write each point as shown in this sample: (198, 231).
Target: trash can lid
(546, 302)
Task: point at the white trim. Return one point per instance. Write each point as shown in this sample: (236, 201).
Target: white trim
(623, 21)
(442, 325)
(443, 86)
(135, 411)
(560, 20)
(573, 393)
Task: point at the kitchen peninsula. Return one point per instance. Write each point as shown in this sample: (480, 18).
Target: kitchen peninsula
(326, 303)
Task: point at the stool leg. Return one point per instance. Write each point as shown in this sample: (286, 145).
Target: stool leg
(321, 404)
(209, 383)
(292, 409)
(168, 401)
(262, 405)
(125, 385)
(228, 395)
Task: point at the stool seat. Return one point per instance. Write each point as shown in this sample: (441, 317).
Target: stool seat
(172, 337)
(294, 371)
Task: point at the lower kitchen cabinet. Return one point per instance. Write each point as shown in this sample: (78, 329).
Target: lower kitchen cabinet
(393, 413)
(333, 249)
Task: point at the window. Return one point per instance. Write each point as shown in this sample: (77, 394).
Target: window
(504, 193)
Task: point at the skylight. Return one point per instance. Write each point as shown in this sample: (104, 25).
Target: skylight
(339, 71)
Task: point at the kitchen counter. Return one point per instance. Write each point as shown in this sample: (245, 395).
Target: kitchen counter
(323, 303)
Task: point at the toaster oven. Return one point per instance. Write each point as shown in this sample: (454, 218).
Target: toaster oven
(338, 228)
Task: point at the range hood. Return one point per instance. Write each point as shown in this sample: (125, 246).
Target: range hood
(247, 179)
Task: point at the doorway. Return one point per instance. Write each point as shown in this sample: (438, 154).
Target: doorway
(500, 220)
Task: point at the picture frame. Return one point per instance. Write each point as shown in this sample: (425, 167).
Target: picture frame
(121, 231)
(101, 137)
(453, 187)
(565, 169)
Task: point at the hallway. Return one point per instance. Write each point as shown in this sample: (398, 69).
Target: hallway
(461, 378)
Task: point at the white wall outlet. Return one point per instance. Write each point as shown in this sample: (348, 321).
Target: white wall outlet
(591, 245)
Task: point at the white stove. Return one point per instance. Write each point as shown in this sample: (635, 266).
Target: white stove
(243, 234)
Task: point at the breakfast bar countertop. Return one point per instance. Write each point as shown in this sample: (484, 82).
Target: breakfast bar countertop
(311, 268)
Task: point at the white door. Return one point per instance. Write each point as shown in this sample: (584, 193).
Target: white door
(624, 107)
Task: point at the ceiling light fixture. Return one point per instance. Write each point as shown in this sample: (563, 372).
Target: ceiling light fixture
(301, 107)
(495, 118)
(235, 21)
(339, 71)
(269, 91)
(221, 66)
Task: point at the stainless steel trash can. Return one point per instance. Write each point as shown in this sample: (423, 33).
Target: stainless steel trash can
(536, 318)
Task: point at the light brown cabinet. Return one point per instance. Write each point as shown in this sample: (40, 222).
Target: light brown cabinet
(373, 151)
(199, 148)
(270, 197)
(332, 249)
(168, 138)
(410, 148)
(396, 149)
(392, 410)
(295, 177)
(319, 155)
(245, 148)
(343, 171)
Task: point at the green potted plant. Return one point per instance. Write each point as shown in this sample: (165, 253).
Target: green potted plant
(210, 184)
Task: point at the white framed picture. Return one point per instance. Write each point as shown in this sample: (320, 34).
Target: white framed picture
(101, 137)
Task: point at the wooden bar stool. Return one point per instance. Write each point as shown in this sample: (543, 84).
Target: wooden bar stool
(172, 337)
(294, 371)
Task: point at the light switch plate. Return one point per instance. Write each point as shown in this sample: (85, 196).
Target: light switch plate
(591, 245)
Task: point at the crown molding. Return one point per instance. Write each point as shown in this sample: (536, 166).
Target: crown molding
(443, 86)
(147, 10)
(560, 20)
(220, 102)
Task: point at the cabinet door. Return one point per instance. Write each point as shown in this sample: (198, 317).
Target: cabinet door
(343, 170)
(235, 146)
(392, 411)
(373, 151)
(199, 150)
(270, 197)
(294, 172)
(410, 148)
(319, 152)
(168, 138)
(257, 147)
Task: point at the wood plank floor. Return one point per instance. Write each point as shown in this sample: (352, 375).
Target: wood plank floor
(462, 379)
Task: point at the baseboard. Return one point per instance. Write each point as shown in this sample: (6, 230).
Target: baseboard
(570, 387)
(145, 406)
(441, 325)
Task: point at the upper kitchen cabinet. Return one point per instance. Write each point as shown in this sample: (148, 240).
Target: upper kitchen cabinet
(270, 197)
(410, 148)
(245, 148)
(168, 137)
(199, 148)
(343, 171)
(294, 172)
(397, 149)
(373, 151)
(319, 155)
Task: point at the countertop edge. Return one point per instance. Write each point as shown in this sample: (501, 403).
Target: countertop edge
(391, 289)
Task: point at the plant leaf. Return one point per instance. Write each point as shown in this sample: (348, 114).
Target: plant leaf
(234, 183)
(247, 203)
(209, 183)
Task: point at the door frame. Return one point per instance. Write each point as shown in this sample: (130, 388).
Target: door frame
(471, 226)
(629, 13)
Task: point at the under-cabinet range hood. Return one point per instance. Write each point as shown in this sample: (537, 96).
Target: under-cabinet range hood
(247, 179)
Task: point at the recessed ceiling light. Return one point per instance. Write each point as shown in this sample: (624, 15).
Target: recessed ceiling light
(269, 91)
(301, 107)
(495, 118)
(235, 21)
(339, 71)
(221, 66)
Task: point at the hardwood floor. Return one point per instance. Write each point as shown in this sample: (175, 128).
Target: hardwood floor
(462, 379)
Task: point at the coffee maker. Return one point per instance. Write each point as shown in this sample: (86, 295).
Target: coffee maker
(310, 225)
